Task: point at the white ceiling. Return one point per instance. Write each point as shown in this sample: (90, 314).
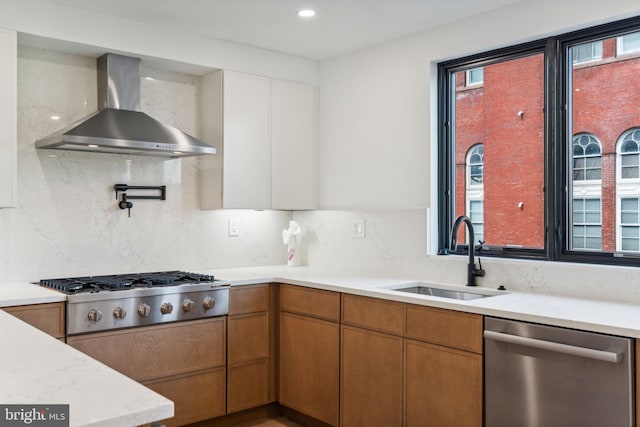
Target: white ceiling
(340, 26)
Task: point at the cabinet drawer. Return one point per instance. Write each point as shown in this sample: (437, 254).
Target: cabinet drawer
(198, 396)
(311, 302)
(445, 327)
(48, 318)
(248, 299)
(248, 337)
(248, 386)
(373, 313)
(158, 351)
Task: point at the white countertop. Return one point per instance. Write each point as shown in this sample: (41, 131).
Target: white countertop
(68, 376)
(36, 368)
(23, 294)
(571, 312)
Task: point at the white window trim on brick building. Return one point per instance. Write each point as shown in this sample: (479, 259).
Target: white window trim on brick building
(626, 188)
(474, 191)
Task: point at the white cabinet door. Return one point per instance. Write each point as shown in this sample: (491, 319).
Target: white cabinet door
(263, 130)
(246, 140)
(292, 148)
(8, 118)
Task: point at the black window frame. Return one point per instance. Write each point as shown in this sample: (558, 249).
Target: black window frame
(557, 142)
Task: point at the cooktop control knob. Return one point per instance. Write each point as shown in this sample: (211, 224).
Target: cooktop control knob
(144, 310)
(166, 308)
(208, 303)
(187, 305)
(94, 315)
(119, 313)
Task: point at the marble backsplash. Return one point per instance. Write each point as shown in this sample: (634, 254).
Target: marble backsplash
(395, 245)
(67, 221)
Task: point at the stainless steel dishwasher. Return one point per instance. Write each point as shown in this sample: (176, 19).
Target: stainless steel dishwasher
(543, 376)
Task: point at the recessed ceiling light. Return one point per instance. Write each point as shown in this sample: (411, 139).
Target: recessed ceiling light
(55, 117)
(93, 146)
(306, 13)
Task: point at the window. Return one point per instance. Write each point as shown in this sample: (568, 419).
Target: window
(587, 52)
(475, 166)
(629, 43)
(561, 177)
(586, 228)
(475, 189)
(476, 215)
(629, 155)
(629, 225)
(475, 76)
(586, 158)
(503, 172)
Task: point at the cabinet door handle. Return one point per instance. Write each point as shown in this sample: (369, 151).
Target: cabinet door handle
(605, 356)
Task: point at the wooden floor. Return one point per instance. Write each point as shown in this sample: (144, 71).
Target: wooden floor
(270, 422)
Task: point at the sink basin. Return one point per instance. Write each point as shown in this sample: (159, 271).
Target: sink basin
(445, 293)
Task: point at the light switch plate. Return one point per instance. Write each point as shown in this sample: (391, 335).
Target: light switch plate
(234, 226)
(358, 228)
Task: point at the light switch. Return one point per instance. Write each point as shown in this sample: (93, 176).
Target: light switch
(358, 229)
(234, 226)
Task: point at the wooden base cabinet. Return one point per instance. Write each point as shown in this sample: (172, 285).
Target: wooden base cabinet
(443, 386)
(309, 363)
(198, 396)
(185, 361)
(49, 317)
(371, 378)
(309, 366)
(251, 369)
(443, 368)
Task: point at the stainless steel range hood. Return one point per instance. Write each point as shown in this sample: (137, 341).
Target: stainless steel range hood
(119, 126)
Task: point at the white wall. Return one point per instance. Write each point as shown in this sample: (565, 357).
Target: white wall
(67, 222)
(59, 22)
(377, 106)
(377, 141)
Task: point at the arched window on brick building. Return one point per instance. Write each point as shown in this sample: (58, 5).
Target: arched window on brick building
(475, 189)
(628, 191)
(586, 206)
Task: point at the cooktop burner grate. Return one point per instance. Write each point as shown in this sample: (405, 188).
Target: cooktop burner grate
(118, 282)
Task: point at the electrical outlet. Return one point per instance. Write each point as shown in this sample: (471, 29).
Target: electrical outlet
(234, 226)
(358, 229)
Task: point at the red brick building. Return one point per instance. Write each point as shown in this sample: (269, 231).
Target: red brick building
(499, 136)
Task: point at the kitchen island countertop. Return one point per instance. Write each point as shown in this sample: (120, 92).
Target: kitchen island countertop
(36, 368)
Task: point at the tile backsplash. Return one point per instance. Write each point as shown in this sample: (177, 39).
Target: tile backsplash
(67, 221)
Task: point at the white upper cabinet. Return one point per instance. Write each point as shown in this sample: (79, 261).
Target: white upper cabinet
(263, 131)
(292, 157)
(8, 118)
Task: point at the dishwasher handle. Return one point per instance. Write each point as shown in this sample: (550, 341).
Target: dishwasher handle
(605, 356)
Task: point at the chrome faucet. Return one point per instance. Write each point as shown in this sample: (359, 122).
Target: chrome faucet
(472, 271)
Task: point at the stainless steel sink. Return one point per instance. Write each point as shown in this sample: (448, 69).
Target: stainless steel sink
(445, 293)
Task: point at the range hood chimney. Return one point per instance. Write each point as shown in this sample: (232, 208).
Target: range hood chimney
(119, 126)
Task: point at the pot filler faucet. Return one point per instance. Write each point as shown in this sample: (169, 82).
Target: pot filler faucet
(472, 271)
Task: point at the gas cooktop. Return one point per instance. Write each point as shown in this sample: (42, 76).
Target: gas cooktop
(120, 282)
(100, 303)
